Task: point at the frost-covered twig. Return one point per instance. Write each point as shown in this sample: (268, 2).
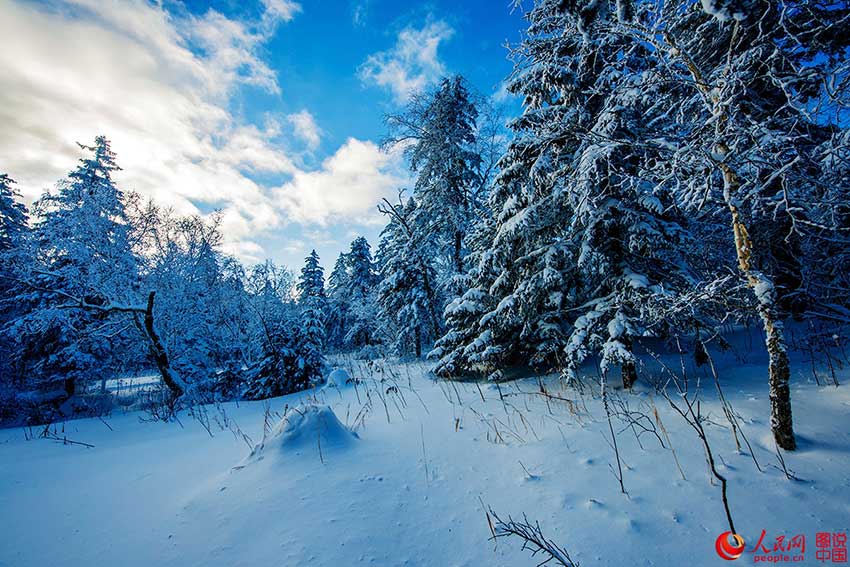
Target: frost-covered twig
(532, 537)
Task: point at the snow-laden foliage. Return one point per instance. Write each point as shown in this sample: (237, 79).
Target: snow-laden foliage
(105, 283)
(648, 130)
(82, 251)
(438, 131)
(352, 317)
(293, 355)
(14, 240)
(580, 250)
(407, 296)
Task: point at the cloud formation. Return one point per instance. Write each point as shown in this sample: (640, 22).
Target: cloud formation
(305, 128)
(348, 185)
(160, 86)
(411, 64)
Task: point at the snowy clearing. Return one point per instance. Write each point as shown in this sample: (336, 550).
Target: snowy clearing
(408, 487)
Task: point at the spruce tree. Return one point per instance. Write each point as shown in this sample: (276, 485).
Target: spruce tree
(83, 251)
(408, 299)
(14, 241)
(443, 156)
(359, 294)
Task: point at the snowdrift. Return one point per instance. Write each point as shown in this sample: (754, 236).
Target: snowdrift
(339, 378)
(308, 427)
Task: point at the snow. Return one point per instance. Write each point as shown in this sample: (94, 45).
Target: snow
(409, 489)
(339, 378)
(725, 10)
(309, 426)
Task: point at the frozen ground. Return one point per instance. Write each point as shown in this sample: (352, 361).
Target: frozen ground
(397, 472)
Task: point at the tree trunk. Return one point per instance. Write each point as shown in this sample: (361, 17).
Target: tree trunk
(159, 353)
(70, 386)
(418, 342)
(779, 370)
(429, 294)
(628, 368)
(458, 260)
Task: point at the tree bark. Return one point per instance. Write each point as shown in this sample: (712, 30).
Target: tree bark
(779, 369)
(158, 351)
(628, 369)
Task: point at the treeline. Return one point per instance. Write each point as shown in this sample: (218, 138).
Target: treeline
(675, 166)
(104, 284)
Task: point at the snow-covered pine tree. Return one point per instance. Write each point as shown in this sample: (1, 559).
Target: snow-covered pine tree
(468, 343)
(439, 130)
(13, 215)
(525, 278)
(633, 247)
(83, 251)
(360, 295)
(582, 253)
(14, 240)
(407, 297)
(338, 309)
(310, 335)
(311, 282)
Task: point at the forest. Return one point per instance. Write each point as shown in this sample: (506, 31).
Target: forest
(665, 221)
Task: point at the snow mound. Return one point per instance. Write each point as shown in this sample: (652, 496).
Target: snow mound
(308, 427)
(339, 378)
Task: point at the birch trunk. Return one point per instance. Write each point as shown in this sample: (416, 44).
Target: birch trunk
(779, 370)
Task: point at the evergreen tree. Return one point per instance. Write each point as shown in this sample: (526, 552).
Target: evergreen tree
(338, 309)
(443, 156)
(84, 255)
(13, 215)
(311, 283)
(14, 240)
(407, 297)
(359, 294)
(312, 300)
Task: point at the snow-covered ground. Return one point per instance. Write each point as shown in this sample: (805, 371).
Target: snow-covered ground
(402, 468)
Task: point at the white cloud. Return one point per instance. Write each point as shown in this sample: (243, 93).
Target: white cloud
(159, 86)
(348, 186)
(282, 9)
(502, 95)
(306, 128)
(412, 64)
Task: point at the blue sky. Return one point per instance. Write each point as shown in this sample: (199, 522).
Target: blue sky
(269, 111)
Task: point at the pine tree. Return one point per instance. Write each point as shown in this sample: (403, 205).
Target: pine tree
(312, 299)
(14, 241)
(310, 336)
(311, 284)
(13, 215)
(338, 308)
(448, 183)
(407, 296)
(84, 251)
(359, 294)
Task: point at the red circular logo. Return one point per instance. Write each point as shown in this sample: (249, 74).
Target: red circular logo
(729, 550)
